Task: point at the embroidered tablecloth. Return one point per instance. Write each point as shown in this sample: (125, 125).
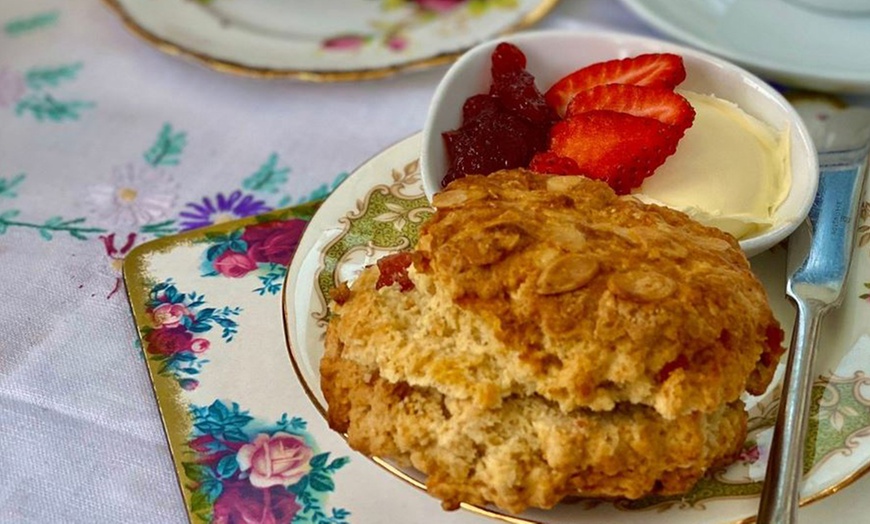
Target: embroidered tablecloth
(106, 143)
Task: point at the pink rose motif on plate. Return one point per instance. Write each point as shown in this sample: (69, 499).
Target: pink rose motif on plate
(169, 315)
(344, 43)
(749, 455)
(199, 345)
(234, 265)
(241, 503)
(178, 338)
(168, 341)
(268, 475)
(278, 460)
(397, 43)
(274, 242)
(440, 6)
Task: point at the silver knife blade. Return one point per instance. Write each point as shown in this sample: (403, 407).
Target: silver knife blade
(820, 252)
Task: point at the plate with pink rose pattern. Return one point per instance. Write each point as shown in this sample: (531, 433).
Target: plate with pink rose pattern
(325, 40)
(246, 443)
(379, 209)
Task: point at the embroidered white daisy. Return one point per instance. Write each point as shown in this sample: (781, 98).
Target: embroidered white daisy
(135, 196)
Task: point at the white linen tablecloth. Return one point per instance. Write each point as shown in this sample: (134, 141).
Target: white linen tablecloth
(80, 434)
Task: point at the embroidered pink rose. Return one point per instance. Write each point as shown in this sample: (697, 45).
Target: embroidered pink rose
(169, 315)
(199, 345)
(277, 460)
(274, 242)
(233, 264)
(440, 6)
(168, 341)
(344, 43)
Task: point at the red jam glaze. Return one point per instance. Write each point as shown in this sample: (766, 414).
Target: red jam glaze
(504, 128)
(394, 270)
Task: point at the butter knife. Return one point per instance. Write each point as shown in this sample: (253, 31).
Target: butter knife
(819, 255)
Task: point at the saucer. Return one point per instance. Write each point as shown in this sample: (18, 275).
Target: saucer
(777, 39)
(326, 40)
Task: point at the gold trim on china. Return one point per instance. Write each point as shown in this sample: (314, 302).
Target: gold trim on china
(238, 69)
(167, 392)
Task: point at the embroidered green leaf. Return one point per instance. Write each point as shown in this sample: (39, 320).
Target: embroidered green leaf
(5, 221)
(268, 178)
(46, 107)
(167, 150)
(51, 76)
(74, 227)
(7, 187)
(20, 26)
(159, 229)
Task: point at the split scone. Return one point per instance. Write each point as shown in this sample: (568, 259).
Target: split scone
(551, 339)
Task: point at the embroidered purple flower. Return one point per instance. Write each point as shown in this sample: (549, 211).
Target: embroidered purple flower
(220, 209)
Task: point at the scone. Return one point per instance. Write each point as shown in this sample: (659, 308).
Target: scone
(552, 339)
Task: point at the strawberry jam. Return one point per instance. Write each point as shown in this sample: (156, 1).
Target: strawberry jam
(504, 128)
(394, 270)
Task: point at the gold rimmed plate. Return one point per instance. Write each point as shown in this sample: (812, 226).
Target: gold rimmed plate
(379, 209)
(326, 40)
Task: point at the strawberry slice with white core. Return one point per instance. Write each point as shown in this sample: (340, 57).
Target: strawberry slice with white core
(652, 69)
(660, 103)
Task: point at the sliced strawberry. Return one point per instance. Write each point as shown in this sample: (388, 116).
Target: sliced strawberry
(619, 148)
(654, 69)
(550, 163)
(656, 102)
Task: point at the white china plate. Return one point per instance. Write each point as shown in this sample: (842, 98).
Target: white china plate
(323, 40)
(379, 209)
(775, 38)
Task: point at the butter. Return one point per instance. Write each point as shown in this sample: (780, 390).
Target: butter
(730, 170)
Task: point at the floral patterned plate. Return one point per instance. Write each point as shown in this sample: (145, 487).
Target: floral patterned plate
(246, 442)
(323, 40)
(379, 209)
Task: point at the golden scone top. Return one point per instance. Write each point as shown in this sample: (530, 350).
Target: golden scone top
(602, 299)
